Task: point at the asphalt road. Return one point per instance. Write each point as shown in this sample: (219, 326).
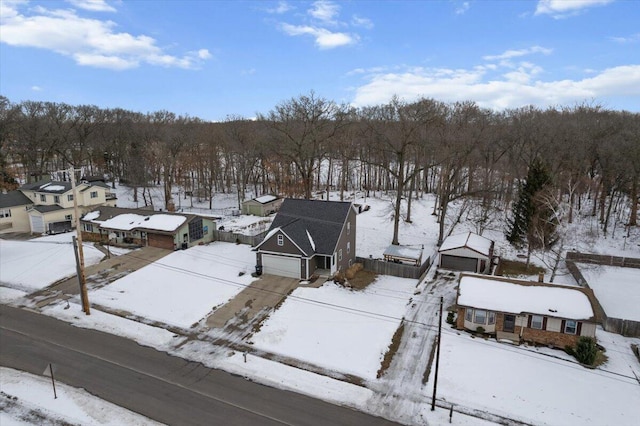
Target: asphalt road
(167, 389)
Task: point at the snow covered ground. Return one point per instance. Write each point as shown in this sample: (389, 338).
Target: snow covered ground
(33, 265)
(187, 284)
(348, 331)
(617, 289)
(332, 326)
(32, 402)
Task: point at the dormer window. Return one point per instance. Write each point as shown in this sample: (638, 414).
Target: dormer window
(70, 197)
(43, 198)
(281, 240)
(56, 199)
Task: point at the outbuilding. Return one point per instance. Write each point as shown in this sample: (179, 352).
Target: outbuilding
(262, 206)
(466, 252)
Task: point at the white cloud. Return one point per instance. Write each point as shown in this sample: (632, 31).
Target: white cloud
(358, 21)
(90, 42)
(282, 7)
(511, 89)
(324, 38)
(325, 11)
(462, 9)
(36, 88)
(634, 38)
(93, 5)
(564, 8)
(516, 53)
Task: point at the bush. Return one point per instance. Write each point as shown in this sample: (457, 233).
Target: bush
(450, 316)
(480, 330)
(353, 270)
(586, 350)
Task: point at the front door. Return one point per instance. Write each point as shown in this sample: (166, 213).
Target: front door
(509, 323)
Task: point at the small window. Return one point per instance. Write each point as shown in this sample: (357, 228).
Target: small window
(5, 213)
(348, 228)
(468, 314)
(570, 327)
(70, 197)
(280, 240)
(536, 322)
(94, 194)
(339, 254)
(348, 247)
(56, 199)
(492, 318)
(43, 198)
(68, 217)
(480, 316)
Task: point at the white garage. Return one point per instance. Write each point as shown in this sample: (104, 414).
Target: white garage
(285, 266)
(37, 224)
(466, 252)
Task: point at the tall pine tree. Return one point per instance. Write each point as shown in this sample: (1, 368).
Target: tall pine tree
(533, 222)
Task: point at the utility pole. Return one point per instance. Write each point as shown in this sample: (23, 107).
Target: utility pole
(81, 278)
(435, 380)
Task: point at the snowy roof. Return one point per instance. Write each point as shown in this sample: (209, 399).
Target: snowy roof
(405, 252)
(266, 199)
(504, 296)
(92, 215)
(470, 240)
(158, 222)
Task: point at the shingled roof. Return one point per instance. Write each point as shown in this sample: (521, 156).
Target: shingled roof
(305, 221)
(13, 199)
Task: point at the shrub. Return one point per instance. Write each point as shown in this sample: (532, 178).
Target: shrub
(586, 350)
(480, 330)
(353, 270)
(450, 316)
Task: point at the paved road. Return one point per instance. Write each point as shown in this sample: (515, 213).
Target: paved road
(167, 389)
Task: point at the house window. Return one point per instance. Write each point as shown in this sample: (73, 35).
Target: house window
(348, 247)
(536, 322)
(195, 229)
(468, 314)
(480, 316)
(43, 198)
(68, 217)
(94, 194)
(56, 199)
(340, 255)
(88, 227)
(281, 240)
(348, 228)
(492, 318)
(5, 213)
(70, 197)
(570, 327)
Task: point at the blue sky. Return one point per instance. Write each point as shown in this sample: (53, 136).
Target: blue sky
(212, 59)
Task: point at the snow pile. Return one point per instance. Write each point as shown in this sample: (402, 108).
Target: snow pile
(265, 199)
(617, 289)
(158, 222)
(92, 215)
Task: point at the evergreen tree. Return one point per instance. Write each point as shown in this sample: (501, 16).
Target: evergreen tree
(533, 220)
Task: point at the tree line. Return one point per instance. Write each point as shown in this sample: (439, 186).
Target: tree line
(306, 144)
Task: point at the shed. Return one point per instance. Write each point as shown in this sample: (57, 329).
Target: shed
(262, 206)
(402, 254)
(466, 252)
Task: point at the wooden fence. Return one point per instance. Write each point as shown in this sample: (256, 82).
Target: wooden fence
(625, 327)
(234, 237)
(395, 269)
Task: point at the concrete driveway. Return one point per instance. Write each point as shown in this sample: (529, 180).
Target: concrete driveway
(253, 303)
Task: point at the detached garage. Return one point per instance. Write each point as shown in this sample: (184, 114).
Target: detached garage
(466, 252)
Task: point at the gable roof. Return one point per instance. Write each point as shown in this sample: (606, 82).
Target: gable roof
(48, 186)
(13, 199)
(503, 295)
(468, 240)
(310, 223)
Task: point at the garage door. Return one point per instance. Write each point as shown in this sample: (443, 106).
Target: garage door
(161, 241)
(458, 263)
(281, 265)
(37, 224)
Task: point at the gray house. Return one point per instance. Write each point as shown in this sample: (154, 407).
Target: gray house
(307, 237)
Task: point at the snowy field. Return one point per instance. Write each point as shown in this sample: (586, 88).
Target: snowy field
(336, 328)
(617, 289)
(536, 388)
(34, 398)
(33, 265)
(184, 286)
